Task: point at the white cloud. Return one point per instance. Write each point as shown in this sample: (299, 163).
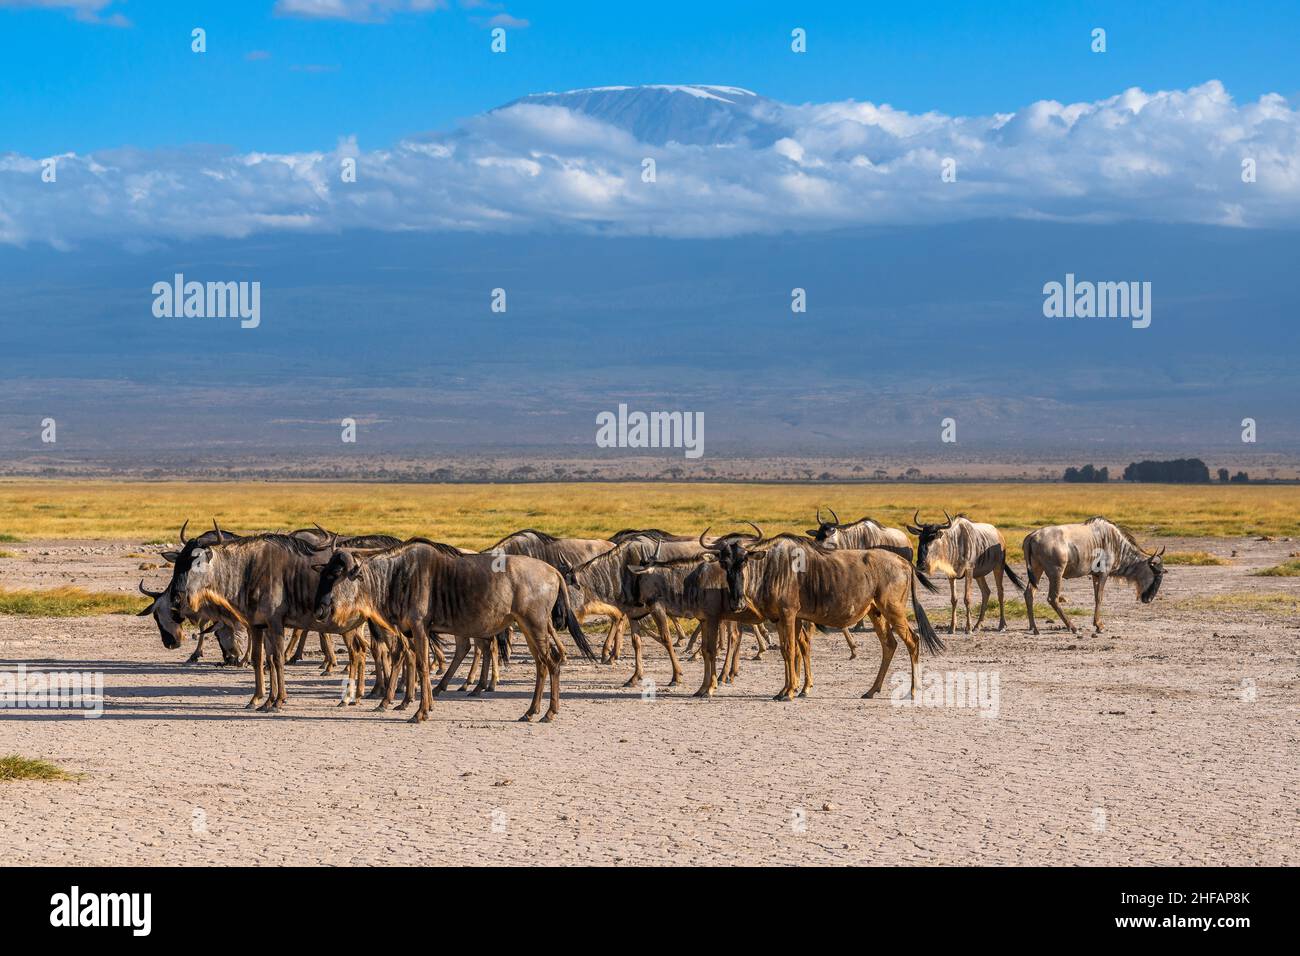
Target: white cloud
(362, 11)
(1168, 156)
(92, 11)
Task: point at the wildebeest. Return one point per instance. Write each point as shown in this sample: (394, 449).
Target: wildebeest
(171, 628)
(961, 548)
(1098, 548)
(422, 586)
(265, 582)
(861, 534)
(795, 580)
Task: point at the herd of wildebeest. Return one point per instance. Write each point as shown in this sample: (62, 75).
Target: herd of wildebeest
(395, 601)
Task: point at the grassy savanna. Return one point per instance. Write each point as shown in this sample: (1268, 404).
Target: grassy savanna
(14, 767)
(1290, 569)
(477, 515)
(66, 602)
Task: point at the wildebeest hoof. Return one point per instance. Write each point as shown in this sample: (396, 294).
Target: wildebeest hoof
(382, 705)
(476, 692)
(418, 718)
(252, 703)
(194, 658)
(463, 687)
(632, 681)
(868, 695)
(526, 717)
(547, 718)
(403, 705)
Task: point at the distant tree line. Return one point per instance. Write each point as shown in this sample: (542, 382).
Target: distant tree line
(1087, 474)
(1175, 471)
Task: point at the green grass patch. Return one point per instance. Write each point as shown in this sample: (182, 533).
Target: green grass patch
(7, 554)
(66, 602)
(1279, 605)
(14, 767)
(9, 538)
(1290, 569)
(1195, 558)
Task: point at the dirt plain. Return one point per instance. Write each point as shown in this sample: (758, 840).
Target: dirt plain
(1172, 738)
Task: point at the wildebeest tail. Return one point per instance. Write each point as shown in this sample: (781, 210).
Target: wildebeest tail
(929, 639)
(562, 616)
(1029, 566)
(925, 582)
(1006, 569)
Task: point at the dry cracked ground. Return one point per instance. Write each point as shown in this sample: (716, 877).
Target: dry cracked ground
(1170, 739)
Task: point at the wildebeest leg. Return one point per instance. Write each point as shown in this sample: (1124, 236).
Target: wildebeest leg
(1098, 589)
(539, 650)
(248, 650)
(805, 651)
(853, 648)
(473, 663)
(327, 649)
(435, 648)
(198, 651)
(728, 636)
(708, 651)
(409, 655)
(952, 592)
(379, 653)
(665, 638)
(966, 600)
(297, 638)
(733, 651)
(607, 649)
(1054, 598)
(761, 639)
(788, 632)
(677, 628)
(887, 645)
(483, 646)
(462, 648)
(257, 649)
(274, 640)
(420, 651)
(983, 582)
(1029, 597)
(694, 639)
(897, 618)
(493, 656)
(637, 672)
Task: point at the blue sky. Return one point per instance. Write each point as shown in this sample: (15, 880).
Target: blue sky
(77, 83)
(925, 293)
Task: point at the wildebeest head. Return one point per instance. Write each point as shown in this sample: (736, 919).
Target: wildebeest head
(170, 627)
(1149, 576)
(733, 552)
(827, 533)
(338, 588)
(925, 536)
(191, 566)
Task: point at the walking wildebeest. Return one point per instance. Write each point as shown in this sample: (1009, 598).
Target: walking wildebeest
(265, 582)
(1098, 548)
(961, 548)
(422, 586)
(796, 580)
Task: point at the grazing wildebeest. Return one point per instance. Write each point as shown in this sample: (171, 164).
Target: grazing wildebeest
(1098, 548)
(961, 548)
(172, 628)
(422, 586)
(795, 580)
(265, 582)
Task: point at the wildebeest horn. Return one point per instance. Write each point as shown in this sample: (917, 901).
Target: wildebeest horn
(758, 532)
(147, 593)
(834, 516)
(819, 515)
(949, 517)
(706, 547)
(1156, 554)
(320, 529)
(217, 528)
(183, 527)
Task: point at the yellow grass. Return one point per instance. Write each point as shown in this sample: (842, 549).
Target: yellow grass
(1194, 558)
(1290, 569)
(67, 602)
(477, 515)
(1272, 604)
(14, 767)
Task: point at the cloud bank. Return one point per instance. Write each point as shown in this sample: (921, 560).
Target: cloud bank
(1166, 157)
